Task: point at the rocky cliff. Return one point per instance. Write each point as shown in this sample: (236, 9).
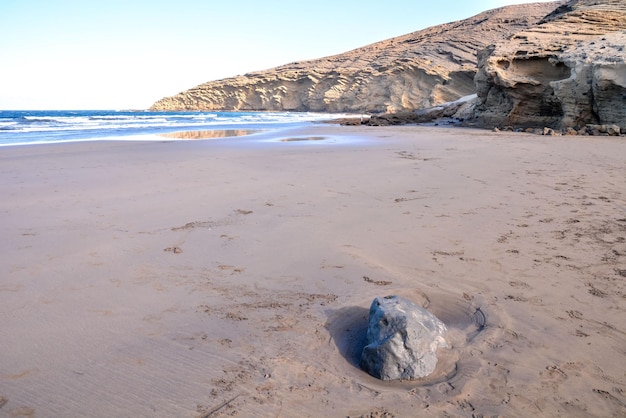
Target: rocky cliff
(414, 71)
(569, 70)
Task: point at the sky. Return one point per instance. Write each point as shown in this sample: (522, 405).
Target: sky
(127, 54)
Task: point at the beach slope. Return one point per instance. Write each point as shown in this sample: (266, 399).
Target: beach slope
(233, 277)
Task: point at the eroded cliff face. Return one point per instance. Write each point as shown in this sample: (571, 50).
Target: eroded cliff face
(415, 71)
(568, 70)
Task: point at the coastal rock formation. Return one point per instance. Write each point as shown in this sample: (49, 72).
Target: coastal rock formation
(569, 70)
(402, 340)
(414, 71)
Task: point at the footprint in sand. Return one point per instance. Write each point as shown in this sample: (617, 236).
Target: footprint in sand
(517, 284)
(231, 269)
(519, 298)
(595, 291)
(552, 376)
(377, 282)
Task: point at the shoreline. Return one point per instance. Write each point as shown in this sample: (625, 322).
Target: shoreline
(31, 127)
(182, 278)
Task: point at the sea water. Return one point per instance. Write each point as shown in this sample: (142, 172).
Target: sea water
(35, 127)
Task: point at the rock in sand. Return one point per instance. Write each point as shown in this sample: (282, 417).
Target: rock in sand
(402, 340)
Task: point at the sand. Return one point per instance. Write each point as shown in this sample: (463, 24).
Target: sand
(232, 277)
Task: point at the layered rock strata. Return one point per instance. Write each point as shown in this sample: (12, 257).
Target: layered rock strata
(410, 72)
(569, 70)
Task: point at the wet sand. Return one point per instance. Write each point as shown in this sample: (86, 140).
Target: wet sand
(232, 277)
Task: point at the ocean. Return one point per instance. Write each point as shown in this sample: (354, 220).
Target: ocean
(39, 126)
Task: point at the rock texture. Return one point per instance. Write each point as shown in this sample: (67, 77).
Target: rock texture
(402, 340)
(569, 70)
(414, 71)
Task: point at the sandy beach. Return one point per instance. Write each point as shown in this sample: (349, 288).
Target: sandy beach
(233, 277)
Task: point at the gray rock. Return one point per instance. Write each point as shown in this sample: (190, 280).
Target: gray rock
(610, 130)
(550, 132)
(402, 340)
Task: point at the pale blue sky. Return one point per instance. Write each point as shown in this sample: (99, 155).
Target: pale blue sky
(122, 54)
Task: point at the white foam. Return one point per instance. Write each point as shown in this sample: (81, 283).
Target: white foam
(28, 127)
